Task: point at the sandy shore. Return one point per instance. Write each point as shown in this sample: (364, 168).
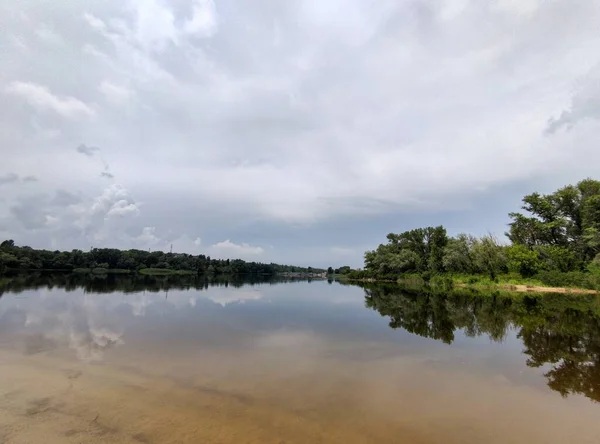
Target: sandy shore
(534, 288)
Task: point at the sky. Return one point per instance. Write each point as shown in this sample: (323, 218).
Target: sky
(295, 132)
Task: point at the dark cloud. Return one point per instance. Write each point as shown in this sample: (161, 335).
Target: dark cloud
(8, 178)
(107, 175)
(30, 212)
(585, 104)
(63, 198)
(30, 179)
(87, 150)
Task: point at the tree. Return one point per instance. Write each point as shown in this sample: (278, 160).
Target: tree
(414, 251)
(7, 245)
(569, 217)
(458, 257)
(489, 257)
(524, 260)
(330, 271)
(12, 256)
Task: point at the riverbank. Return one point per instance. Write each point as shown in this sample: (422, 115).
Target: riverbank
(506, 283)
(518, 284)
(530, 288)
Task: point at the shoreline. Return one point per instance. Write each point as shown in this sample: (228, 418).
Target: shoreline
(519, 288)
(522, 288)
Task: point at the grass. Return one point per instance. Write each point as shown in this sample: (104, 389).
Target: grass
(513, 282)
(506, 282)
(163, 272)
(101, 271)
(502, 279)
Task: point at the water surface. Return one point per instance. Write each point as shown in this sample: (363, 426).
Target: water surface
(174, 360)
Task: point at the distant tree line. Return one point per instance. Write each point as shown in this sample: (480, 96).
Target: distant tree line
(26, 258)
(339, 271)
(556, 241)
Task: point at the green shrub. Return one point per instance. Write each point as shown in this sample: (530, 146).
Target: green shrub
(581, 279)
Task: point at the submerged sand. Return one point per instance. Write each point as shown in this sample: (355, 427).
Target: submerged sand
(339, 398)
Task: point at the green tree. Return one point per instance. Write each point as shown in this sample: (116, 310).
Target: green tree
(489, 257)
(7, 245)
(458, 257)
(569, 217)
(524, 260)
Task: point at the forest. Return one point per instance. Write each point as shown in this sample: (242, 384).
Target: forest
(555, 241)
(105, 260)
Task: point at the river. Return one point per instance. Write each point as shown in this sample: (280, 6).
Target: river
(121, 359)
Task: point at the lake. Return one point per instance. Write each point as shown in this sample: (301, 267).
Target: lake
(122, 359)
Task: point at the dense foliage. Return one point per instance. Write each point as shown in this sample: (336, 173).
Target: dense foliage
(560, 333)
(557, 241)
(27, 258)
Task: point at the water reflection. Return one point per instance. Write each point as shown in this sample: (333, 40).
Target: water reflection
(103, 283)
(49, 311)
(557, 330)
(559, 333)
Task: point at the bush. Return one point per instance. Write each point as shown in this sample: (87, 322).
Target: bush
(442, 281)
(581, 279)
(523, 260)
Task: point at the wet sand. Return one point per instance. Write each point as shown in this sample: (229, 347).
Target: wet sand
(328, 397)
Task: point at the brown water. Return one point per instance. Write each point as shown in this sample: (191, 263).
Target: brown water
(287, 363)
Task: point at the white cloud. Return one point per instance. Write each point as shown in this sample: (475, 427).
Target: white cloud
(42, 99)
(155, 25)
(204, 19)
(585, 104)
(147, 237)
(115, 94)
(49, 35)
(94, 22)
(114, 201)
(224, 296)
(123, 208)
(228, 249)
(517, 7)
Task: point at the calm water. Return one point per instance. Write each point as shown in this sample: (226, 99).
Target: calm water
(174, 360)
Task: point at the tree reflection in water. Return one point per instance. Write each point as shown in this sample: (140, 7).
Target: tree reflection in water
(561, 330)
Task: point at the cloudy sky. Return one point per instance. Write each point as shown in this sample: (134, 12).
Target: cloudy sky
(298, 132)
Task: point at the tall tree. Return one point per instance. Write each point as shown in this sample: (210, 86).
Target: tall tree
(569, 217)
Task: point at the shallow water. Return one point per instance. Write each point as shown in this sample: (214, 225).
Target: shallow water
(177, 360)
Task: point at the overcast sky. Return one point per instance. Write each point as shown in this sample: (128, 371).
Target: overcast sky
(291, 131)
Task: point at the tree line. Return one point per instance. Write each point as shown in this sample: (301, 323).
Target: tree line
(13, 257)
(556, 241)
